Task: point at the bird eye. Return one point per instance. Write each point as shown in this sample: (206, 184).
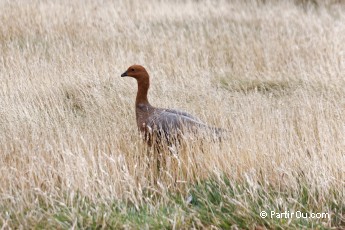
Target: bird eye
(132, 70)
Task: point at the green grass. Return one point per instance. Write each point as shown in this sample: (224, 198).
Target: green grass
(216, 202)
(273, 87)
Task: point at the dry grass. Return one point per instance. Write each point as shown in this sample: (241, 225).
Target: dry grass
(272, 72)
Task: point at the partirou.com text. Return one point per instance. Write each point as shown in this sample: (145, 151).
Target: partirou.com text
(294, 214)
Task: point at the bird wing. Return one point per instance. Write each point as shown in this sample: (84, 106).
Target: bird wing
(171, 121)
(182, 113)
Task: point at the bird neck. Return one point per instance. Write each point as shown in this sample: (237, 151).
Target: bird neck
(143, 88)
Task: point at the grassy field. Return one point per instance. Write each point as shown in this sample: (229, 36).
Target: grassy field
(272, 72)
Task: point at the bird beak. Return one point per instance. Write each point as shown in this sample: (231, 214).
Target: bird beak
(124, 74)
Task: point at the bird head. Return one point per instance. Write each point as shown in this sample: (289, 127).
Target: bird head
(135, 71)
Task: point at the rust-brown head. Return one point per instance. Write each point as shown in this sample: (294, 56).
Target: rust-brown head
(135, 71)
